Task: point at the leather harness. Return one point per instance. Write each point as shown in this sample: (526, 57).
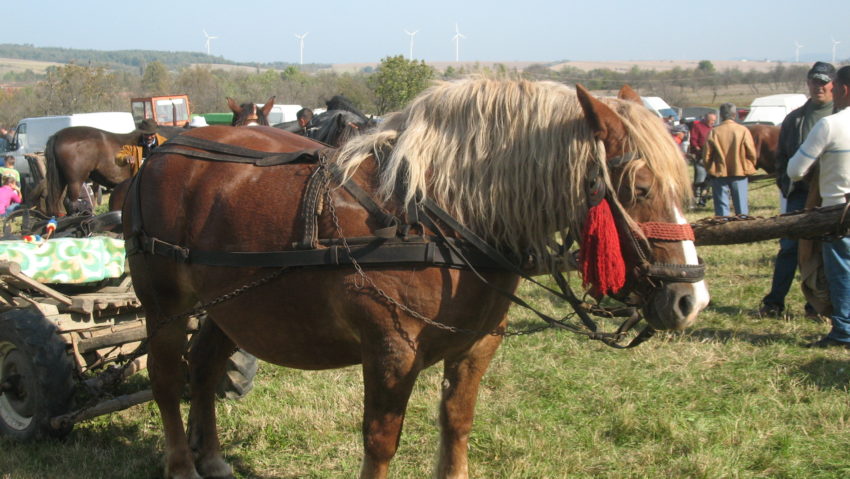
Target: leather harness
(393, 245)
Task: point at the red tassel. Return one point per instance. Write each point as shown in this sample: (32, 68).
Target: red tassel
(602, 261)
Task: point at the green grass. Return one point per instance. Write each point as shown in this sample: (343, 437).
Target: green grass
(733, 397)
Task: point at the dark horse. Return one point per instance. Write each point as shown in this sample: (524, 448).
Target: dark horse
(510, 160)
(766, 140)
(248, 114)
(77, 153)
(335, 126)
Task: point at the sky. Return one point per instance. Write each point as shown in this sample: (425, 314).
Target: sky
(361, 31)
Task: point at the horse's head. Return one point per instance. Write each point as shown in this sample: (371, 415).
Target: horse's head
(649, 182)
(335, 127)
(248, 114)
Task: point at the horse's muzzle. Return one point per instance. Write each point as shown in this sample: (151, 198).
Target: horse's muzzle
(673, 306)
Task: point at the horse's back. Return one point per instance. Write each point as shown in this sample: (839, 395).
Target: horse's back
(210, 204)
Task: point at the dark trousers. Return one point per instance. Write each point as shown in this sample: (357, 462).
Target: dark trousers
(785, 266)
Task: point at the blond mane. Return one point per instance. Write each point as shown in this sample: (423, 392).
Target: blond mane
(505, 158)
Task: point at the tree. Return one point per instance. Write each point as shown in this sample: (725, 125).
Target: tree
(705, 66)
(155, 79)
(398, 81)
(203, 87)
(78, 89)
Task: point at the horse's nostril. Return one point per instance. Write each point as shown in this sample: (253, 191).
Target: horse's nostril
(686, 304)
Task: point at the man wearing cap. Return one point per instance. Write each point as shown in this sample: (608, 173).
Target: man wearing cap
(795, 128)
(134, 154)
(730, 157)
(828, 147)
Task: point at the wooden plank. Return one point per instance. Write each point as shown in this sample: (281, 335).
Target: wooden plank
(10, 272)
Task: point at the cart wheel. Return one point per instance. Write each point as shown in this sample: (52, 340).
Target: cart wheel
(238, 380)
(36, 376)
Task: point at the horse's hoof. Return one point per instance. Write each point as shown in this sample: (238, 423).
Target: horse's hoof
(214, 468)
(192, 474)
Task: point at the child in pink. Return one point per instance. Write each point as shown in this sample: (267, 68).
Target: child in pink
(10, 196)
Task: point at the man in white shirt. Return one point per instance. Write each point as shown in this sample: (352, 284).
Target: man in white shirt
(828, 145)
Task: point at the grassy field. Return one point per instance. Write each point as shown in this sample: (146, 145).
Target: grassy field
(733, 397)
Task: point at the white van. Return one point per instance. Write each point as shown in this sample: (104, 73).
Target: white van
(773, 109)
(282, 113)
(31, 134)
(657, 105)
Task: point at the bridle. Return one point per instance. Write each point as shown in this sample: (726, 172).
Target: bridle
(647, 275)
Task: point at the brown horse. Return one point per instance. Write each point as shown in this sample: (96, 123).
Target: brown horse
(248, 114)
(510, 160)
(766, 139)
(78, 153)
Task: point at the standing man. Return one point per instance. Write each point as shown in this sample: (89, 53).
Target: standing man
(730, 156)
(795, 129)
(699, 134)
(134, 154)
(828, 146)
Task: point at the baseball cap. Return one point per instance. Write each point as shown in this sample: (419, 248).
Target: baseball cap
(822, 71)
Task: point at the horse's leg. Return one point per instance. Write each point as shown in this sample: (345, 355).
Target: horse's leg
(461, 377)
(72, 194)
(388, 379)
(166, 343)
(207, 363)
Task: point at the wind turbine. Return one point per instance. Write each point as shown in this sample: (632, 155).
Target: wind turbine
(834, 44)
(208, 37)
(797, 47)
(458, 36)
(413, 34)
(301, 44)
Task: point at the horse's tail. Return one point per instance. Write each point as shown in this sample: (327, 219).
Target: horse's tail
(55, 182)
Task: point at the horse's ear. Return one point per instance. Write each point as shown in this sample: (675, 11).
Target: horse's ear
(628, 94)
(604, 123)
(234, 107)
(267, 108)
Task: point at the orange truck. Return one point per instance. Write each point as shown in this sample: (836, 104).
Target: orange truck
(169, 110)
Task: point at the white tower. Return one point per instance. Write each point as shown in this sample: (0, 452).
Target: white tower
(797, 48)
(208, 37)
(412, 34)
(834, 44)
(301, 44)
(458, 36)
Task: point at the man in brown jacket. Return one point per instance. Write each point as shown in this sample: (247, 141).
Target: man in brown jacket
(134, 153)
(730, 156)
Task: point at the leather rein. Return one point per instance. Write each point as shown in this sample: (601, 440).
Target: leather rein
(394, 244)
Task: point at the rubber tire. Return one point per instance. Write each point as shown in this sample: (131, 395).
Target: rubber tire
(30, 346)
(238, 379)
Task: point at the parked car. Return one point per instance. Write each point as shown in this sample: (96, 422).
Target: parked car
(691, 114)
(660, 107)
(772, 109)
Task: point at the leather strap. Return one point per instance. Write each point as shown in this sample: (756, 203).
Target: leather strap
(376, 251)
(215, 151)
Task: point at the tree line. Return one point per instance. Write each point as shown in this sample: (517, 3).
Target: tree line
(77, 88)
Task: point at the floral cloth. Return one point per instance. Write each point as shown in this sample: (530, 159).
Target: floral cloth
(67, 260)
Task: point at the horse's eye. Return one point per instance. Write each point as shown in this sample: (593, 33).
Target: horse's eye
(641, 192)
